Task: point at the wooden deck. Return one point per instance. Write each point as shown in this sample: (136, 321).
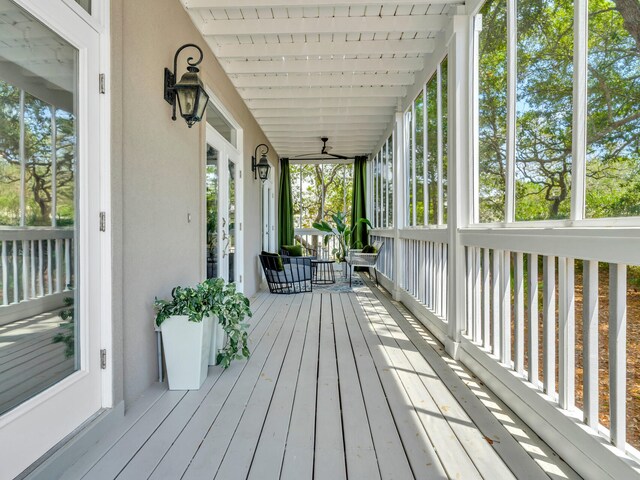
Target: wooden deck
(29, 360)
(338, 386)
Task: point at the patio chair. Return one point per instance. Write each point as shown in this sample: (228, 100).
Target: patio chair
(356, 258)
(287, 275)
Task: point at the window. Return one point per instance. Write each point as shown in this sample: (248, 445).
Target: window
(613, 118)
(382, 185)
(492, 103)
(426, 152)
(319, 191)
(217, 120)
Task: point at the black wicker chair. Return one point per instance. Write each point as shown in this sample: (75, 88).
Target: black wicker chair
(293, 275)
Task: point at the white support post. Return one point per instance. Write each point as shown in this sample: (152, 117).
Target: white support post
(590, 342)
(440, 211)
(414, 190)
(425, 155)
(23, 167)
(459, 174)
(399, 215)
(618, 353)
(532, 302)
(566, 333)
(579, 128)
(54, 169)
(512, 70)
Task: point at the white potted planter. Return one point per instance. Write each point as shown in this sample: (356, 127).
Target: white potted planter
(187, 346)
(217, 341)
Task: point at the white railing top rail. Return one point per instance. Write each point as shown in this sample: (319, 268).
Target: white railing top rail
(35, 233)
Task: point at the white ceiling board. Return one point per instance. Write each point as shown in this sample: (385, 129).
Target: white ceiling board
(388, 4)
(328, 120)
(322, 130)
(433, 23)
(339, 80)
(323, 92)
(260, 113)
(321, 66)
(336, 48)
(299, 103)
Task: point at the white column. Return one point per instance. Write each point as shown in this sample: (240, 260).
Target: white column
(459, 172)
(399, 200)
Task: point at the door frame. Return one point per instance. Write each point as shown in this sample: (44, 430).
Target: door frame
(213, 137)
(268, 189)
(94, 284)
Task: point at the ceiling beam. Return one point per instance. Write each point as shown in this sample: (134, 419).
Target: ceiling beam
(221, 4)
(268, 26)
(345, 102)
(299, 49)
(320, 112)
(249, 94)
(322, 66)
(326, 120)
(310, 137)
(339, 80)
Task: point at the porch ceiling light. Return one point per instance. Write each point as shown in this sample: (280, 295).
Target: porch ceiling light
(191, 96)
(261, 168)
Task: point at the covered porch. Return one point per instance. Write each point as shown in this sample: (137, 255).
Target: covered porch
(339, 385)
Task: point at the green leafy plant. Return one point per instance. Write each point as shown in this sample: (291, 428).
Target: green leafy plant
(342, 231)
(213, 297)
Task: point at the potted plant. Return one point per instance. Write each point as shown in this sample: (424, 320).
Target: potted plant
(341, 231)
(186, 322)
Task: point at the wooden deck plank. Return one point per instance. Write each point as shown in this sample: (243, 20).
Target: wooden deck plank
(267, 397)
(269, 452)
(422, 456)
(177, 458)
(329, 447)
(471, 440)
(391, 457)
(210, 453)
(360, 452)
(151, 453)
(298, 456)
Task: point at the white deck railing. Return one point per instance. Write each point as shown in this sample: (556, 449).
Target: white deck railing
(36, 264)
(520, 310)
(314, 239)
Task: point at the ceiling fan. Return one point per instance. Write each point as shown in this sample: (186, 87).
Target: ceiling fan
(324, 151)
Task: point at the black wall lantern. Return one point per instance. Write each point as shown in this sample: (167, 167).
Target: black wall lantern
(191, 96)
(262, 166)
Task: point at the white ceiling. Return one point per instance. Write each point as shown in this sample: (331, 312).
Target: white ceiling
(334, 68)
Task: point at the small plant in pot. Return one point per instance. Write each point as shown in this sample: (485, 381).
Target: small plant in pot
(187, 323)
(342, 231)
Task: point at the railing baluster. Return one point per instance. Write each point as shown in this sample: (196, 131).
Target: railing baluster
(5, 288)
(590, 344)
(445, 276)
(505, 297)
(477, 291)
(567, 336)
(58, 265)
(25, 269)
(32, 245)
(495, 289)
(617, 352)
(549, 331)
(49, 276)
(468, 328)
(486, 299)
(14, 257)
(40, 269)
(532, 302)
(67, 263)
(519, 313)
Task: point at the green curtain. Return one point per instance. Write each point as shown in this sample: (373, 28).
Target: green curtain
(358, 208)
(285, 206)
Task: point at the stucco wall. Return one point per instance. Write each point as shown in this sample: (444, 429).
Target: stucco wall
(158, 180)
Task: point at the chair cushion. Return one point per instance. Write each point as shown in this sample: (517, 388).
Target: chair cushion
(293, 250)
(278, 262)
